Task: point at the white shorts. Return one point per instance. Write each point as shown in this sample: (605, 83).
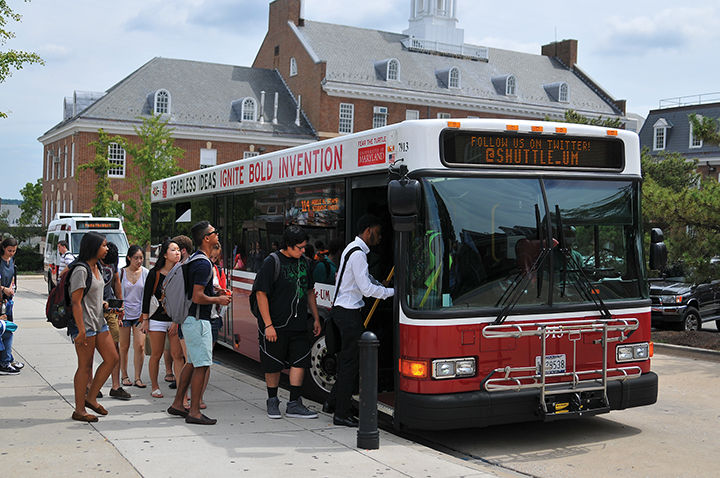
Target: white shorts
(159, 326)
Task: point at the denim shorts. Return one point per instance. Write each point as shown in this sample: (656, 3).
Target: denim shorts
(129, 322)
(198, 341)
(73, 331)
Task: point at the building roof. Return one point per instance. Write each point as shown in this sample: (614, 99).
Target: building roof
(353, 60)
(201, 95)
(677, 130)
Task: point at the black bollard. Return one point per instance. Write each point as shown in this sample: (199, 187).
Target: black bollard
(368, 436)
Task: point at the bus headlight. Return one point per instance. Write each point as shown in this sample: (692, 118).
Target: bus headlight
(453, 368)
(631, 352)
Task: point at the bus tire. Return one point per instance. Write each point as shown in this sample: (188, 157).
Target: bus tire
(320, 377)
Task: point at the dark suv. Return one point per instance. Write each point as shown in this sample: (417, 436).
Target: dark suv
(682, 304)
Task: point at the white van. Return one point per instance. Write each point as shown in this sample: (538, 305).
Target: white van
(71, 228)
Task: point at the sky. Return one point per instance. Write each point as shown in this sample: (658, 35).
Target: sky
(640, 50)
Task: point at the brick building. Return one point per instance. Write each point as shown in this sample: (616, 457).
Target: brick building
(219, 113)
(351, 79)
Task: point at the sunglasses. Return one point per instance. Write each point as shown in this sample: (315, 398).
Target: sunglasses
(216, 231)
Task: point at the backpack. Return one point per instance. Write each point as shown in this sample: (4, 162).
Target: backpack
(253, 297)
(58, 308)
(177, 291)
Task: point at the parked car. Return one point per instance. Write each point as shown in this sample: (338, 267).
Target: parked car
(682, 304)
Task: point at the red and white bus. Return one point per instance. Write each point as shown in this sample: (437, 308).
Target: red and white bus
(521, 289)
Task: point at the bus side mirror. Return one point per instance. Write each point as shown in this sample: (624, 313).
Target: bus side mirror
(658, 250)
(404, 203)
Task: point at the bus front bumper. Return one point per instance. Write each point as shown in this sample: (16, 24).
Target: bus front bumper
(481, 408)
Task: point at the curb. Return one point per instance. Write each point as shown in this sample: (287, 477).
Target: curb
(687, 351)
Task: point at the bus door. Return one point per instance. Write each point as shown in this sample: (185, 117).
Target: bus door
(368, 195)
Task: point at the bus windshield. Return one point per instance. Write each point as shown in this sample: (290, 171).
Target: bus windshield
(118, 238)
(478, 236)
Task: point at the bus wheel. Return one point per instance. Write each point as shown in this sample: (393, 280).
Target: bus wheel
(323, 370)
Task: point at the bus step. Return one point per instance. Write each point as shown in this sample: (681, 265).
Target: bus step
(571, 405)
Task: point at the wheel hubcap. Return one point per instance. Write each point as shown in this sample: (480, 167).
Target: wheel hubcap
(323, 367)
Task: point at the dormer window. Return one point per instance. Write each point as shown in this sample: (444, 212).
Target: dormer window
(249, 110)
(393, 70)
(162, 102)
(695, 141)
(559, 91)
(563, 94)
(510, 85)
(293, 67)
(454, 78)
(660, 133)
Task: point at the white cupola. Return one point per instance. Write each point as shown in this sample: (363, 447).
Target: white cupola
(435, 21)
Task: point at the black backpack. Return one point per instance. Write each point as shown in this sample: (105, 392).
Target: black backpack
(58, 309)
(253, 298)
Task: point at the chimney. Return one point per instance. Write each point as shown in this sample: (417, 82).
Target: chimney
(275, 108)
(262, 107)
(565, 51)
(297, 113)
(282, 11)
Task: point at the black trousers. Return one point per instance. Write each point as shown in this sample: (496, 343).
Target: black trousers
(350, 324)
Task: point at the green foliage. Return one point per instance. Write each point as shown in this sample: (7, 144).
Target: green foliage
(155, 157)
(31, 206)
(103, 204)
(686, 205)
(12, 59)
(705, 128)
(28, 259)
(572, 116)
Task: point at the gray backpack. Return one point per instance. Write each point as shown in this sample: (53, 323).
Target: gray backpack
(177, 290)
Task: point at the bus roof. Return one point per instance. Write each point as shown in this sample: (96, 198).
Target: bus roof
(416, 143)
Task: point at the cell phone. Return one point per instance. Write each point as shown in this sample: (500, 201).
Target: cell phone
(115, 303)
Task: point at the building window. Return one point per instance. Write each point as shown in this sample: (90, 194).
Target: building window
(65, 163)
(208, 157)
(659, 143)
(293, 66)
(454, 78)
(71, 205)
(162, 102)
(511, 85)
(563, 93)
(393, 70)
(347, 114)
(248, 109)
(380, 114)
(72, 162)
(443, 115)
(48, 161)
(695, 142)
(250, 154)
(412, 114)
(116, 156)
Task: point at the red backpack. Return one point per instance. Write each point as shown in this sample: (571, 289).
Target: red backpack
(58, 308)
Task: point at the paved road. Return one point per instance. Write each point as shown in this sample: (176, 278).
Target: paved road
(679, 436)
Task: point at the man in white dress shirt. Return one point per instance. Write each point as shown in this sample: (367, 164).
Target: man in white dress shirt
(353, 283)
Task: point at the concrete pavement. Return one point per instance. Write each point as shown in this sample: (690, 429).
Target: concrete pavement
(138, 438)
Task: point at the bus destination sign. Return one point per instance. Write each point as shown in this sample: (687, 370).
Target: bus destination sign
(98, 224)
(513, 150)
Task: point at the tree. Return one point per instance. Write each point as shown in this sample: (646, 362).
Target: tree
(705, 128)
(103, 204)
(12, 59)
(572, 116)
(32, 203)
(154, 157)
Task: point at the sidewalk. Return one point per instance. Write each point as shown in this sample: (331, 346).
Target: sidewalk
(138, 438)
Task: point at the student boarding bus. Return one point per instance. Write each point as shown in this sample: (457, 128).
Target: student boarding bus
(71, 227)
(521, 289)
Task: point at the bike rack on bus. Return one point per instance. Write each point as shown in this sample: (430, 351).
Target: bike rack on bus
(582, 380)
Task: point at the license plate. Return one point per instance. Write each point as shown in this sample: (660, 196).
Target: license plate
(554, 364)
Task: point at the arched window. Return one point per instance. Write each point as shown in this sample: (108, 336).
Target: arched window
(293, 66)
(511, 85)
(162, 102)
(563, 93)
(393, 70)
(248, 109)
(454, 78)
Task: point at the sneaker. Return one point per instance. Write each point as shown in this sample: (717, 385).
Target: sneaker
(18, 365)
(8, 369)
(296, 409)
(273, 408)
(120, 394)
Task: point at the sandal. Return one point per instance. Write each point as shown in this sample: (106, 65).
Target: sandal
(178, 413)
(138, 383)
(126, 381)
(157, 393)
(97, 409)
(169, 377)
(88, 417)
